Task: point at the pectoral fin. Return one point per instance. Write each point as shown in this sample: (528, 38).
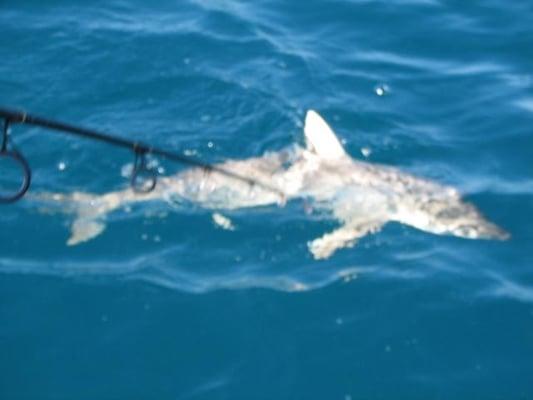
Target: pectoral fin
(345, 236)
(84, 229)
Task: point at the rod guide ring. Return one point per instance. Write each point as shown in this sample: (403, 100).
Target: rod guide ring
(26, 175)
(142, 171)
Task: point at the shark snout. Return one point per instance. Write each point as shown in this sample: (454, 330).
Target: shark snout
(482, 230)
(464, 220)
(494, 232)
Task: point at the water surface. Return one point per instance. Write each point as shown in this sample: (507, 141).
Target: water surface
(166, 305)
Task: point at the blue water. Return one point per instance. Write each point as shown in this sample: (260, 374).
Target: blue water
(165, 305)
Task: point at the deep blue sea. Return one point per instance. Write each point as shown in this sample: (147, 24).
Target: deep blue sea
(166, 305)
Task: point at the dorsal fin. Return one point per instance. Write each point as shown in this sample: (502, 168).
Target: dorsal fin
(320, 139)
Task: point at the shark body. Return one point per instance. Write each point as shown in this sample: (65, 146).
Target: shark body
(361, 196)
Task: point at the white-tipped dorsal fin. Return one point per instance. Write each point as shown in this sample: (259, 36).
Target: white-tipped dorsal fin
(320, 138)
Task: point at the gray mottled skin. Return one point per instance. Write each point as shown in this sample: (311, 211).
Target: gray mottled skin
(361, 196)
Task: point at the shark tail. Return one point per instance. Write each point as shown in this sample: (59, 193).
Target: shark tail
(88, 210)
(84, 228)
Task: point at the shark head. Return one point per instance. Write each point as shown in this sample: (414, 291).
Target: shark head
(463, 220)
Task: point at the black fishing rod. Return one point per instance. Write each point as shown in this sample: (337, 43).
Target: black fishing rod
(139, 149)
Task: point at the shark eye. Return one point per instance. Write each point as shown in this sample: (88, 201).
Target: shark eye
(467, 231)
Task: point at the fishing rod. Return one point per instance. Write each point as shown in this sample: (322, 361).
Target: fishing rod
(140, 150)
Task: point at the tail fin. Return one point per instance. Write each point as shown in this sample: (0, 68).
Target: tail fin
(84, 229)
(89, 213)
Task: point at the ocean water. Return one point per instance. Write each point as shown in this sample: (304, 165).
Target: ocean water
(165, 305)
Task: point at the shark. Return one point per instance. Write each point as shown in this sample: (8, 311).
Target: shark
(361, 196)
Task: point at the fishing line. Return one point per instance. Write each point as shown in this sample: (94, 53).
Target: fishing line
(141, 170)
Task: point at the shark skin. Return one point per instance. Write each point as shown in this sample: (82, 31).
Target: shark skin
(361, 196)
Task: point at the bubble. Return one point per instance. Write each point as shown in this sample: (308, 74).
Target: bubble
(189, 153)
(382, 89)
(62, 166)
(366, 151)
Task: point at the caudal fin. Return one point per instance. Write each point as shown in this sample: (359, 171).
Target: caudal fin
(85, 228)
(87, 210)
